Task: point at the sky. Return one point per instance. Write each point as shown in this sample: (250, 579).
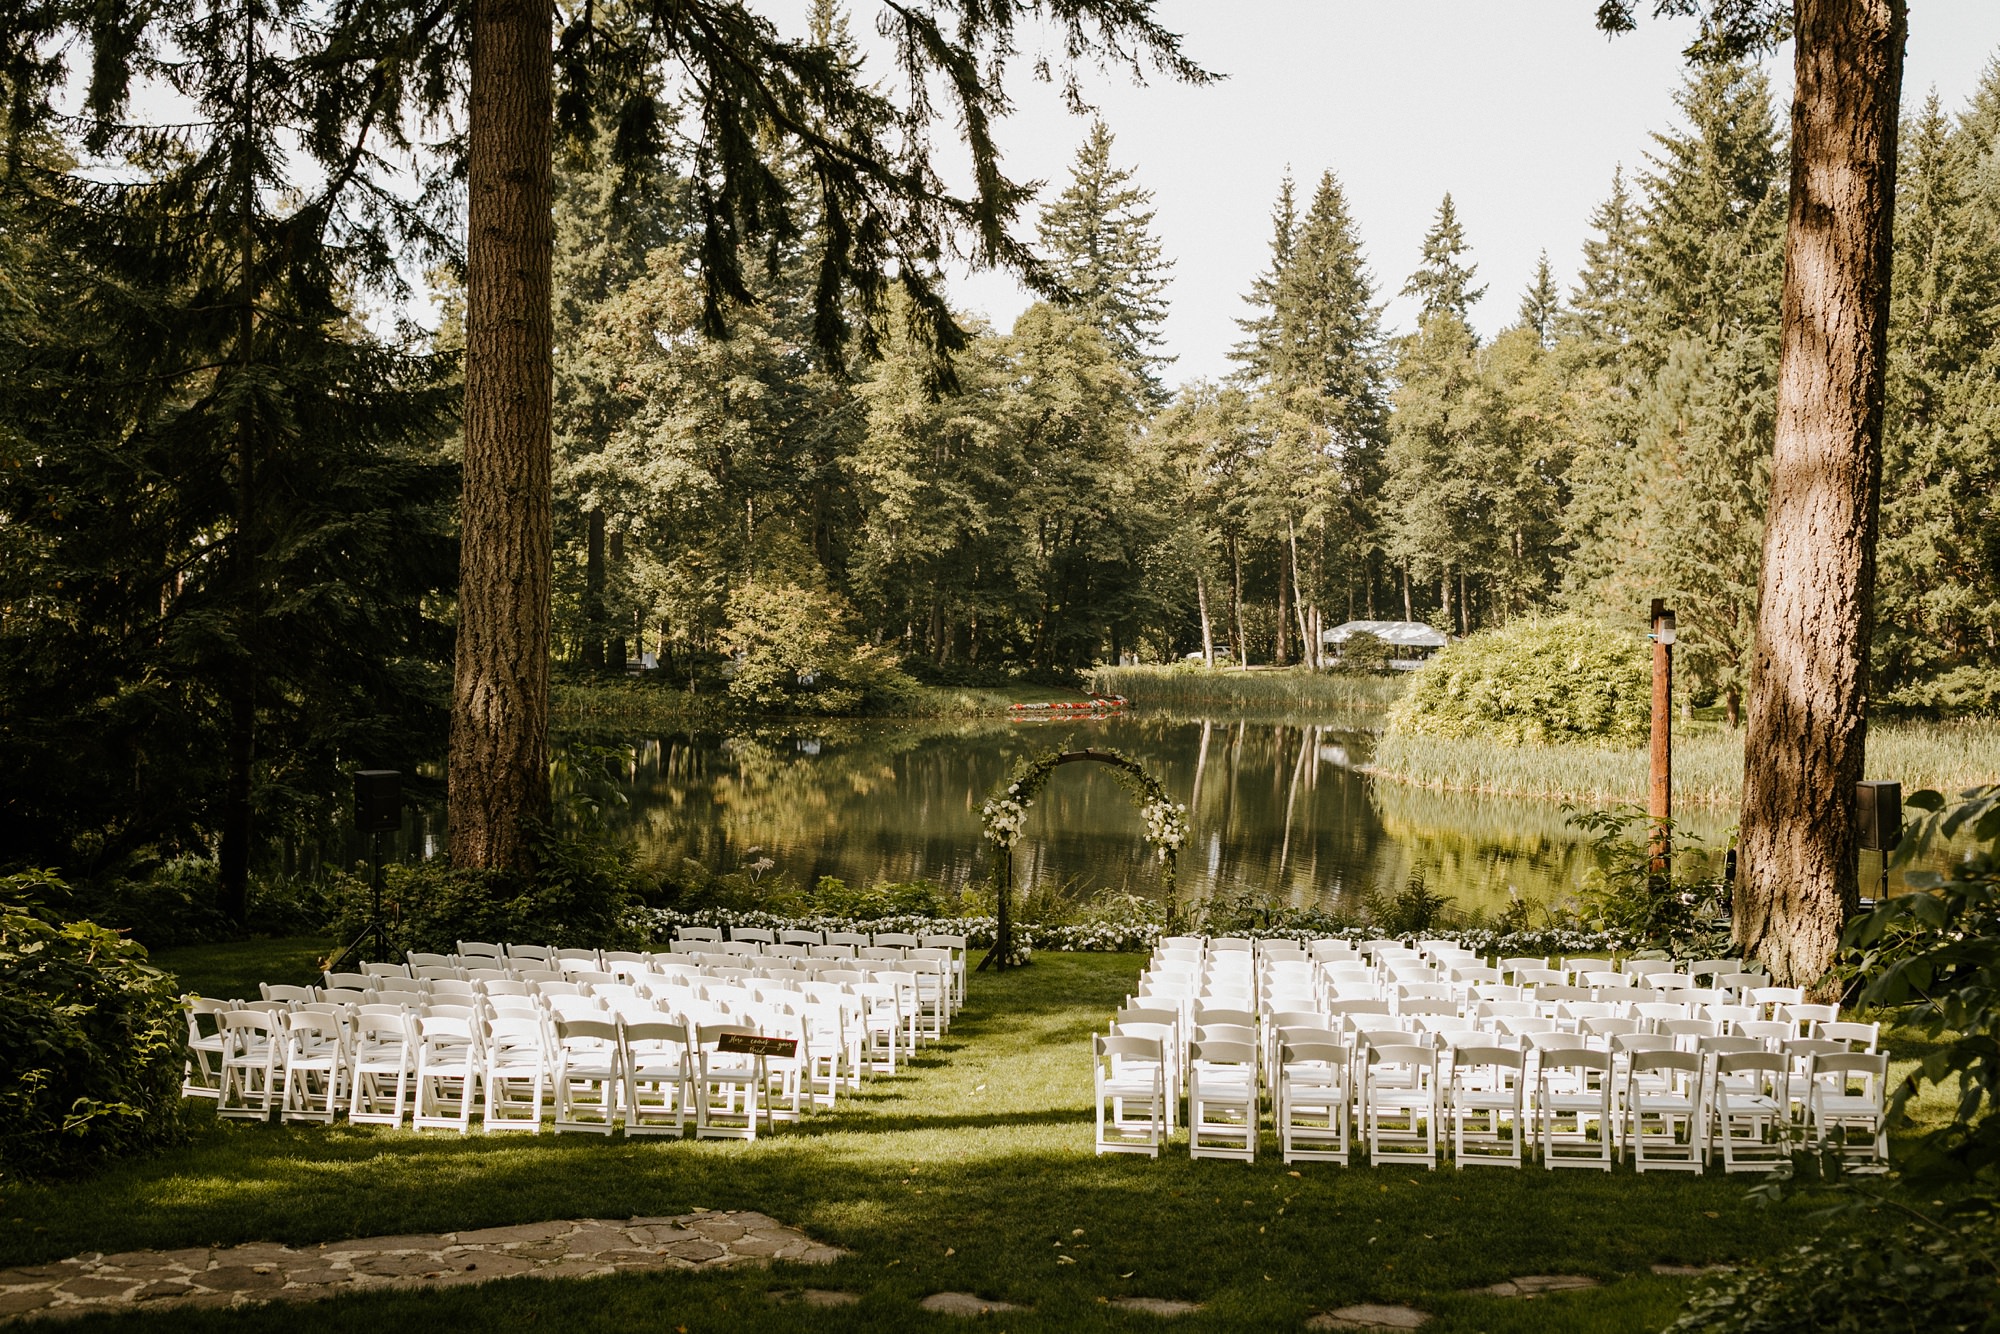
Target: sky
(1519, 108)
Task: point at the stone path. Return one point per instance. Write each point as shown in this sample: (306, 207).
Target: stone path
(264, 1271)
(1534, 1285)
(1369, 1316)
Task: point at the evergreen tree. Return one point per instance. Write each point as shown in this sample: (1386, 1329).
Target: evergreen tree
(1713, 221)
(1097, 237)
(1603, 306)
(1443, 279)
(1541, 305)
(1256, 354)
(1938, 590)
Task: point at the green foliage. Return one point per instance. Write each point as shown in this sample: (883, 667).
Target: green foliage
(1676, 908)
(1365, 654)
(90, 1038)
(1538, 681)
(579, 893)
(791, 650)
(1411, 910)
(1934, 955)
(1930, 1276)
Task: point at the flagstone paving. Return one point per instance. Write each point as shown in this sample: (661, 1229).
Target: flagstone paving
(265, 1271)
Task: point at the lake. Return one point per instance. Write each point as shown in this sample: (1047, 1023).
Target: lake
(1278, 809)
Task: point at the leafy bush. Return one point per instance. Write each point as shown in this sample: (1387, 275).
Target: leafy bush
(1677, 909)
(1412, 910)
(792, 650)
(177, 903)
(1564, 678)
(1935, 955)
(90, 1038)
(1364, 653)
(581, 893)
(1935, 1276)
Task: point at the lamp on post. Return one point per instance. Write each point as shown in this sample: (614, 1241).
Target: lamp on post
(1660, 788)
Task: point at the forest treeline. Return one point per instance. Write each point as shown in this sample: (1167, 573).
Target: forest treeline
(1063, 506)
(227, 518)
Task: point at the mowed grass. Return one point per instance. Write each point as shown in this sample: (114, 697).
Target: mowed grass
(1707, 767)
(970, 1171)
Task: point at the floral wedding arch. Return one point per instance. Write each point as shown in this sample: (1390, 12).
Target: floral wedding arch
(1006, 811)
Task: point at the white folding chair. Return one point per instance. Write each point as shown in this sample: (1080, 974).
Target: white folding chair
(1748, 1110)
(201, 1074)
(1129, 1075)
(1487, 1096)
(448, 1069)
(1662, 1108)
(1573, 1095)
(589, 1074)
(1400, 1102)
(381, 1067)
(315, 1066)
(729, 1086)
(252, 1057)
(1847, 1093)
(659, 1077)
(1222, 1100)
(1312, 1102)
(516, 1073)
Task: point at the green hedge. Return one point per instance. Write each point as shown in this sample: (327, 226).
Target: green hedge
(579, 894)
(91, 1038)
(1550, 679)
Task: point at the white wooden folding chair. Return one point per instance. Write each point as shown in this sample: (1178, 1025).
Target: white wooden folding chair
(316, 1071)
(1129, 1075)
(1748, 1110)
(448, 1068)
(1400, 1103)
(252, 1059)
(1222, 1100)
(201, 1073)
(589, 1074)
(729, 1086)
(659, 1077)
(1486, 1106)
(1846, 1096)
(1573, 1098)
(382, 1066)
(1662, 1111)
(1312, 1101)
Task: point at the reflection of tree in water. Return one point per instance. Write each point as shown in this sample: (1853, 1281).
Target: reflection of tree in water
(1276, 811)
(1477, 848)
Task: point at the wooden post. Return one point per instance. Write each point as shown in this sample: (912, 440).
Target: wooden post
(1660, 787)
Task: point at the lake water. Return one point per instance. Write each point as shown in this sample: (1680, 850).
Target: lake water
(1278, 809)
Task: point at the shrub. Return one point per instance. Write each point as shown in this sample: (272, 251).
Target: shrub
(1934, 1276)
(581, 893)
(792, 651)
(1554, 679)
(90, 1038)
(1364, 653)
(1677, 909)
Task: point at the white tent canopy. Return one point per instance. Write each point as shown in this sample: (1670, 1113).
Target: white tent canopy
(1401, 634)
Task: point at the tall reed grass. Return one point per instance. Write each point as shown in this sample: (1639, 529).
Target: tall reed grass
(1267, 689)
(1708, 765)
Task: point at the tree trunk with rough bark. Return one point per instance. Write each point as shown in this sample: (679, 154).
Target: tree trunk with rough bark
(1809, 675)
(499, 770)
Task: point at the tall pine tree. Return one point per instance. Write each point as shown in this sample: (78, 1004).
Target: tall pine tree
(1097, 236)
(1444, 274)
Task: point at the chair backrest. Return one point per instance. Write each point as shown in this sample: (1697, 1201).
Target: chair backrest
(278, 991)
(858, 939)
(1669, 981)
(1847, 1066)
(1127, 1046)
(1575, 1058)
(579, 1030)
(1223, 1051)
(445, 986)
(1330, 1054)
(420, 959)
(1730, 1045)
(697, 933)
(1631, 1042)
(1471, 1055)
(1426, 1005)
(483, 949)
(1402, 1054)
(761, 935)
(1648, 967)
(514, 1031)
(1751, 1062)
(343, 995)
(832, 951)
(529, 953)
(1666, 1059)
(1850, 1032)
(1219, 1014)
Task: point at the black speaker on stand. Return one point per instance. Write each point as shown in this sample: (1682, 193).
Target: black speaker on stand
(378, 810)
(1878, 821)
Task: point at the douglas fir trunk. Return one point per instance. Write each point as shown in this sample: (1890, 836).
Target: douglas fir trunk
(1808, 695)
(500, 692)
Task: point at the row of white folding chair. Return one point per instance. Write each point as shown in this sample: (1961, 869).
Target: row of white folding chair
(1676, 1110)
(443, 1062)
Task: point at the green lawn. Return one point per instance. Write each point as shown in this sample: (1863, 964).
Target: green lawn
(972, 1171)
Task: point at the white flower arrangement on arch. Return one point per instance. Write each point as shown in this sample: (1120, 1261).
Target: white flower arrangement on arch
(1004, 818)
(1166, 824)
